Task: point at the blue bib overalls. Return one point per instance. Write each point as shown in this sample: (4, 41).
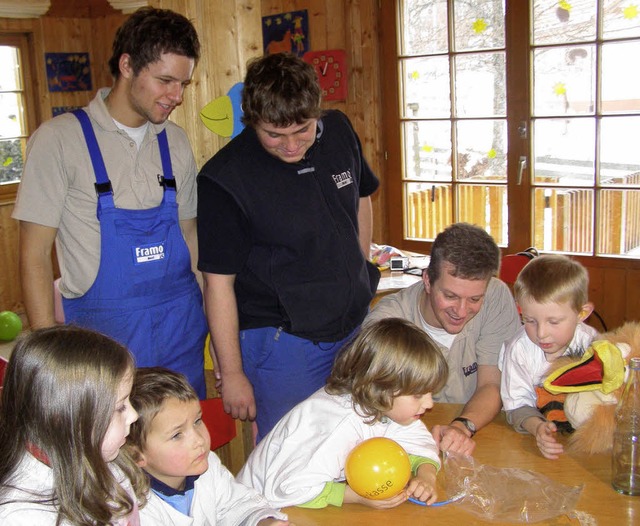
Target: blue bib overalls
(145, 294)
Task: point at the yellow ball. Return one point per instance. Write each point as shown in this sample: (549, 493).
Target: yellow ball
(378, 468)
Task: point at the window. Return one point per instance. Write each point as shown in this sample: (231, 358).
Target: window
(522, 117)
(14, 101)
(453, 112)
(585, 126)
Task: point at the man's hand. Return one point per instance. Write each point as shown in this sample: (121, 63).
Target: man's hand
(451, 438)
(237, 396)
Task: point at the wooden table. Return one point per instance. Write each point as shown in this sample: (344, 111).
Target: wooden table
(500, 446)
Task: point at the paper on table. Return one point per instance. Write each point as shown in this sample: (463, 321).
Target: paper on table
(395, 282)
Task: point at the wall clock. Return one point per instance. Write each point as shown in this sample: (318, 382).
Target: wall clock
(331, 67)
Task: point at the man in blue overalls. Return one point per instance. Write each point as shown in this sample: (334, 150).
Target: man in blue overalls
(114, 185)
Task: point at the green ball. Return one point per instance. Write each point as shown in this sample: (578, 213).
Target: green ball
(10, 325)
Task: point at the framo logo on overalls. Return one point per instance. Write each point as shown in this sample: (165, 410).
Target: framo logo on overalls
(148, 253)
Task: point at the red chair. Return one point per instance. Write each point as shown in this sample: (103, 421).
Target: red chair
(221, 426)
(512, 264)
(3, 366)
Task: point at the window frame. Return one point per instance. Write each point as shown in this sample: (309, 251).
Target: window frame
(521, 235)
(22, 41)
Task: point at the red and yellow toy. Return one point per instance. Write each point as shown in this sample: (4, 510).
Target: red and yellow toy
(592, 385)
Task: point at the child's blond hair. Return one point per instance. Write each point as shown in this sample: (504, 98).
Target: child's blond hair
(553, 278)
(389, 358)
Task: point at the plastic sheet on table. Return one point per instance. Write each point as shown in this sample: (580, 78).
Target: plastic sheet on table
(508, 494)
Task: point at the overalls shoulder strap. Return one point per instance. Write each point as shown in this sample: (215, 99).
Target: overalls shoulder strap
(166, 180)
(103, 185)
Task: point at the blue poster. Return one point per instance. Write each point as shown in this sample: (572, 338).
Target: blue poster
(68, 71)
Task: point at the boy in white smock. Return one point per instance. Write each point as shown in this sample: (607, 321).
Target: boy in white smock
(552, 295)
(189, 485)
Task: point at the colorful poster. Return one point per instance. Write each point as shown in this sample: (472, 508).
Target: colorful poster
(68, 71)
(286, 32)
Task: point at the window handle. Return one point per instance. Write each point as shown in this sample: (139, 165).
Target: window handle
(522, 130)
(522, 166)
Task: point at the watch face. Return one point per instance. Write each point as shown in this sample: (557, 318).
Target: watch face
(467, 423)
(330, 66)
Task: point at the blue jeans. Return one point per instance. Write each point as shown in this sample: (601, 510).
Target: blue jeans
(283, 370)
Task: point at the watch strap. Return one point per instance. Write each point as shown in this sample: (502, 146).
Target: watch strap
(467, 423)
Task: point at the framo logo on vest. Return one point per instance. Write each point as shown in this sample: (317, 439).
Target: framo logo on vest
(148, 253)
(342, 179)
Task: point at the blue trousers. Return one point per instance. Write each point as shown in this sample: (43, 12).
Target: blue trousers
(283, 370)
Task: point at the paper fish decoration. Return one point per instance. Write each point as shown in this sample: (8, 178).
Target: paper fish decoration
(222, 115)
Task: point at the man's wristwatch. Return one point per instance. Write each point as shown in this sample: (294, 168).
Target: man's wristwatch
(471, 427)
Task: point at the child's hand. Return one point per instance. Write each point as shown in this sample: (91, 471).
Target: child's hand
(545, 438)
(423, 485)
(351, 496)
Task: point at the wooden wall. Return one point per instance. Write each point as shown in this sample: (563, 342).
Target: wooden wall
(614, 288)
(230, 34)
(10, 294)
(51, 34)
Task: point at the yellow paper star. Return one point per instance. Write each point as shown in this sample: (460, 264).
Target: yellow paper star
(559, 88)
(427, 148)
(491, 154)
(414, 75)
(630, 12)
(479, 25)
(563, 4)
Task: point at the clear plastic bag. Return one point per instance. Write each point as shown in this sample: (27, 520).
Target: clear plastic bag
(506, 494)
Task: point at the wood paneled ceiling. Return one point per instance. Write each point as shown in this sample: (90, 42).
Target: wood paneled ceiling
(80, 8)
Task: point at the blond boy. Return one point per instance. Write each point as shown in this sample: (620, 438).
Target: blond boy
(189, 485)
(552, 296)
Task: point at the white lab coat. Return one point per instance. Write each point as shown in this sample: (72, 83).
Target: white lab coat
(35, 477)
(218, 501)
(309, 446)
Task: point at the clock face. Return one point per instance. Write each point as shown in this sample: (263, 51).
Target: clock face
(330, 66)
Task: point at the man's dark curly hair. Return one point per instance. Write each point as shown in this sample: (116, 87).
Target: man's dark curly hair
(281, 89)
(150, 32)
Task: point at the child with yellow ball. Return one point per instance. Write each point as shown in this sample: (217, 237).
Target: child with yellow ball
(380, 386)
